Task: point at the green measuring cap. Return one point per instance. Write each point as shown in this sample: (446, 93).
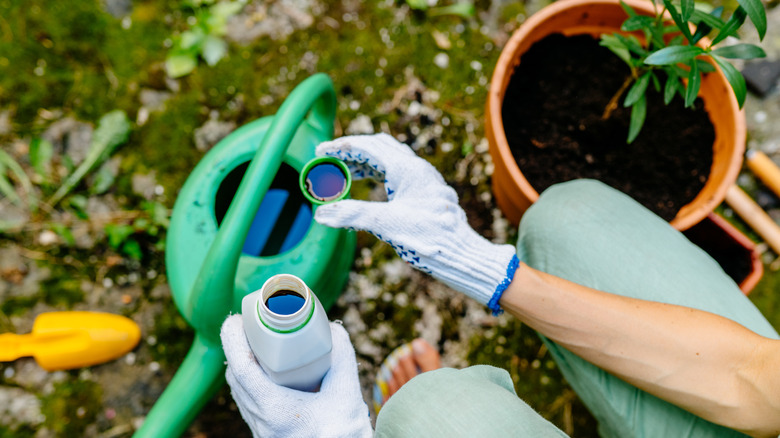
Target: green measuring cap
(324, 180)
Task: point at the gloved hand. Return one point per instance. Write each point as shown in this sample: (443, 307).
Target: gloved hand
(422, 220)
(270, 410)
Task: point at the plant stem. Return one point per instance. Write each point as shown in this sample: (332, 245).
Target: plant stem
(613, 102)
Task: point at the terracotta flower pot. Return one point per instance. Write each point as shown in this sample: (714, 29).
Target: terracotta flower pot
(735, 252)
(514, 194)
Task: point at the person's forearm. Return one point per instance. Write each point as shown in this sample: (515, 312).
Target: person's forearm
(702, 362)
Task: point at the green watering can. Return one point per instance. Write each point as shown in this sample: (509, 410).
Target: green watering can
(239, 219)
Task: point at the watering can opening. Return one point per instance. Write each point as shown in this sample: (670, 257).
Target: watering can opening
(283, 218)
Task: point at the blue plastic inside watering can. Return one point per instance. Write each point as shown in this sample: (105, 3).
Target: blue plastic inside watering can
(283, 218)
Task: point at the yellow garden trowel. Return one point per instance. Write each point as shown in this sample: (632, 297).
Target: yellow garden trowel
(66, 340)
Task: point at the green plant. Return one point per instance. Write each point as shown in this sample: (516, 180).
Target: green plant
(669, 48)
(151, 220)
(112, 131)
(204, 38)
(462, 9)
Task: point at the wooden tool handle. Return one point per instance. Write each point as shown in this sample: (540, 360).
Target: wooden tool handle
(765, 169)
(755, 216)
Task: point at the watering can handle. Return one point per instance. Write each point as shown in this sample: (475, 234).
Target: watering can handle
(212, 296)
(202, 372)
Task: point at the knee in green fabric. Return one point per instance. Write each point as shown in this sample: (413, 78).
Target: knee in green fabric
(476, 401)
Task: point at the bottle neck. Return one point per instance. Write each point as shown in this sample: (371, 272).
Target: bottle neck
(297, 311)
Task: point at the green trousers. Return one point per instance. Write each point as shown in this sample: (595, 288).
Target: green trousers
(591, 234)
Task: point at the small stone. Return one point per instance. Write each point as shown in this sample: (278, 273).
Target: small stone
(360, 125)
(442, 40)
(144, 184)
(5, 122)
(212, 132)
(761, 76)
(442, 60)
(47, 238)
(19, 407)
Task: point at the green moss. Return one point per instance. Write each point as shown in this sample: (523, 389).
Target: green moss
(72, 406)
(63, 288)
(72, 56)
(20, 432)
(165, 144)
(18, 305)
(174, 337)
(766, 297)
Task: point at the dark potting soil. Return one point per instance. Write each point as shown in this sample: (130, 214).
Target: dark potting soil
(552, 113)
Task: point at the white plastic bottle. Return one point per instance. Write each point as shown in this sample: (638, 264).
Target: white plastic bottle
(288, 331)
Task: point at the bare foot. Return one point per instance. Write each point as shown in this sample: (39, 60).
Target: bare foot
(403, 364)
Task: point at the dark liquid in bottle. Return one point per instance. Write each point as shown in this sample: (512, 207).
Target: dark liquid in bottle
(285, 302)
(326, 182)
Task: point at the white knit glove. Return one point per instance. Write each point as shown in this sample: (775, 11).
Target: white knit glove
(270, 410)
(422, 220)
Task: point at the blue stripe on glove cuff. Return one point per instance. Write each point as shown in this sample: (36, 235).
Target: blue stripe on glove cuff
(510, 273)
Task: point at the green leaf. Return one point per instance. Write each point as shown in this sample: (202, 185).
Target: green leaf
(7, 189)
(616, 46)
(132, 249)
(419, 5)
(64, 232)
(79, 205)
(637, 90)
(462, 9)
(734, 77)
(656, 83)
(740, 51)
(159, 214)
(191, 38)
(703, 29)
(712, 19)
(637, 23)
(16, 170)
(755, 10)
(671, 87)
(673, 55)
(117, 234)
(213, 49)
(694, 83)
(629, 10)
(217, 16)
(704, 66)
(638, 113)
(181, 64)
(113, 130)
(731, 26)
(686, 9)
(41, 153)
(225, 10)
(632, 43)
(682, 25)
(104, 179)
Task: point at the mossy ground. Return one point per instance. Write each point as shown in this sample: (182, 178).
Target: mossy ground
(62, 59)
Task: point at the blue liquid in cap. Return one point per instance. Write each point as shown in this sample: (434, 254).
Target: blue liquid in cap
(326, 182)
(285, 302)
